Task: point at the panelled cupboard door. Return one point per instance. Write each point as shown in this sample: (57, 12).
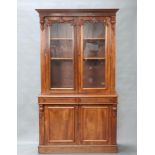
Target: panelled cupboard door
(60, 124)
(94, 124)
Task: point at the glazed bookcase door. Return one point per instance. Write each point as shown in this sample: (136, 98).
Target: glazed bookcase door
(94, 55)
(62, 62)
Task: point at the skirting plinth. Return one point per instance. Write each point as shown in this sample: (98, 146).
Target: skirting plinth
(77, 149)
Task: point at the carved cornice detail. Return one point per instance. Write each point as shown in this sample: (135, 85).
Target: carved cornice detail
(42, 23)
(77, 21)
(105, 20)
(52, 20)
(113, 21)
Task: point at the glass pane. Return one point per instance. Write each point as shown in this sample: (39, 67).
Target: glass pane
(62, 48)
(94, 30)
(94, 48)
(62, 54)
(94, 55)
(61, 30)
(94, 74)
(62, 74)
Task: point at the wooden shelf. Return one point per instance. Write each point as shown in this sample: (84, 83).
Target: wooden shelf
(94, 58)
(94, 38)
(61, 39)
(61, 58)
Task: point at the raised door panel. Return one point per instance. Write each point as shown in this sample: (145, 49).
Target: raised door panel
(60, 124)
(94, 124)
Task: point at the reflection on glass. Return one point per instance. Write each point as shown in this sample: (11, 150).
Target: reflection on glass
(61, 51)
(62, 74)
(94, 30)
(94, 75)
(61, 30)
(94, 55)
(94, 48)
(61, 48)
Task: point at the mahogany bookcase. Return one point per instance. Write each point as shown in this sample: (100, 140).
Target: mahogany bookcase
(78, 102)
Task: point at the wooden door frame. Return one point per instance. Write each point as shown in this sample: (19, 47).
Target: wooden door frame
(47, 137)
(106, 89)
(50, 21)
(77, 25)
(81, 117)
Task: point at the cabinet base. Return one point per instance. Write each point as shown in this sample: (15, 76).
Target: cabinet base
(77, 148)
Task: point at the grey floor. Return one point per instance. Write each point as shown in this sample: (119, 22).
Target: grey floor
(31, 149)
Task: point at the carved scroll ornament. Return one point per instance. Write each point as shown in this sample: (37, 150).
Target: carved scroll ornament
(76, 21)
(42, 23)
(113, 21)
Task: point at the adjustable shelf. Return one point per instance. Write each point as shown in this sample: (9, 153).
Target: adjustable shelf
(94, 38)
(57, 39)
(94, 58)
(61, 58)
